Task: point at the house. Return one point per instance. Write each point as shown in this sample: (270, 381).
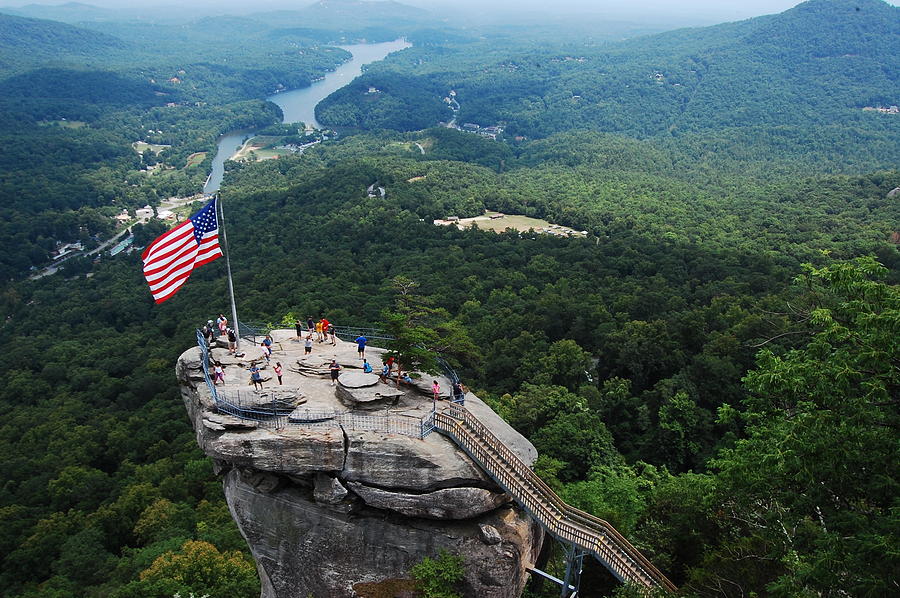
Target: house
(66, 249)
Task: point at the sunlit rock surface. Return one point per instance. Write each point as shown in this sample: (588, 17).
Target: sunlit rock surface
(325, 507)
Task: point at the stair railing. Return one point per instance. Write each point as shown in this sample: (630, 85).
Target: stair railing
(562, 521)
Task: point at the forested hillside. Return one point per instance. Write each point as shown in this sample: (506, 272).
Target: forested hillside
(792, 85)
(68, 125)
(34, 41)
(712, 366)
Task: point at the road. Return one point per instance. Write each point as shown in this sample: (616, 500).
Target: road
(166, 204)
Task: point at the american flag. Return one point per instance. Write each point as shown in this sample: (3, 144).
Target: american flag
(170, 259)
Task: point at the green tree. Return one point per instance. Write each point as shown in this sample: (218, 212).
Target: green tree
(439, 578)
(198, 568)
(812, 491)
(423, 333)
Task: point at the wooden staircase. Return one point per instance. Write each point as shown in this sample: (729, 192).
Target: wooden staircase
(567, 524)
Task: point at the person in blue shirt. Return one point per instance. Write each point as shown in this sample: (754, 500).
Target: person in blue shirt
(366, 367)
(256, 377)
(361, 346)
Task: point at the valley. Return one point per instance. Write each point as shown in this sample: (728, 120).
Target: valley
(672, 267)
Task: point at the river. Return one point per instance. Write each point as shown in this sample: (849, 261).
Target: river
(299, 105)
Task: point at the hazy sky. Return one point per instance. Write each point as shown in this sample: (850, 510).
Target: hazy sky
(636, 10)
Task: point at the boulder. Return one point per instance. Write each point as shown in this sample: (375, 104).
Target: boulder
(329, 498)
(328, 490)
(450, 503)
(489, 534)
(368, 398)
(304, 548)
(402, 463)
(357, 380)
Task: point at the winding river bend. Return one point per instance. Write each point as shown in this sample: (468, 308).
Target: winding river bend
(299, 105)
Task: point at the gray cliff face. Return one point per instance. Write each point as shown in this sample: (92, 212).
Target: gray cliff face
(324, 508)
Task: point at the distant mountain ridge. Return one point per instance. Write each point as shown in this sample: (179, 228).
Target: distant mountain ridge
(70, 12)
(798, 80)
(344, 15)
(26, 41)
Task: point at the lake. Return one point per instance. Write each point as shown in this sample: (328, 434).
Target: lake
(299, 105)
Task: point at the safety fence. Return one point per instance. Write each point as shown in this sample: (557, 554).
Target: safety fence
(270, 411)
(566, 523)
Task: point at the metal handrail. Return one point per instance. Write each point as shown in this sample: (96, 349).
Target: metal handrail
(559, 519)
(278, 418)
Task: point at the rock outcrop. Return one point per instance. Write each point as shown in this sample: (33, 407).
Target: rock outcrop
(331, 504)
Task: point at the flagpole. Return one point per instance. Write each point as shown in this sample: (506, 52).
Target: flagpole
(237, 330)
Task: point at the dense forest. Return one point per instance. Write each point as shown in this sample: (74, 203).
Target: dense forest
(714, 367)
(791, 85)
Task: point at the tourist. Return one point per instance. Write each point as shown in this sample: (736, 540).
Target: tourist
(310, 325)
(223, 324)
(256, 378)
(232, 341)
(307, 344)
(325, 325)
(319, 331)
(458, 392)
(335, 369)
(385, 374)
(298, 326)
(436, 390)
(367, 369)
(332, 335)
(361, 346)
(218, 374)
(265, 351)
(278, 371)
(268, 342)
(404, 378)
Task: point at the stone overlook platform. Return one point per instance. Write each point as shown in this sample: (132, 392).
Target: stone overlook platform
(331, 509)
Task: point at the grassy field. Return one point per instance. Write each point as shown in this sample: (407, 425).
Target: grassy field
(68, 124)
(262, 148)
(195, 158)
(142, 146)
(269, 153)
(515, 222)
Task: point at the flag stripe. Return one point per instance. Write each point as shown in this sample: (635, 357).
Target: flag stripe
(165, 238)
(175, 260)
(186, 254)
(173, 256)
(163, 254)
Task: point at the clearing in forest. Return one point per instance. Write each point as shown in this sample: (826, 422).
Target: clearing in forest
(195, 158)
(499, 222)
(142, 146)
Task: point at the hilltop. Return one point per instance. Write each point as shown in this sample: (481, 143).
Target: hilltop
(70, 12)
(25, 41)
(799, 78)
